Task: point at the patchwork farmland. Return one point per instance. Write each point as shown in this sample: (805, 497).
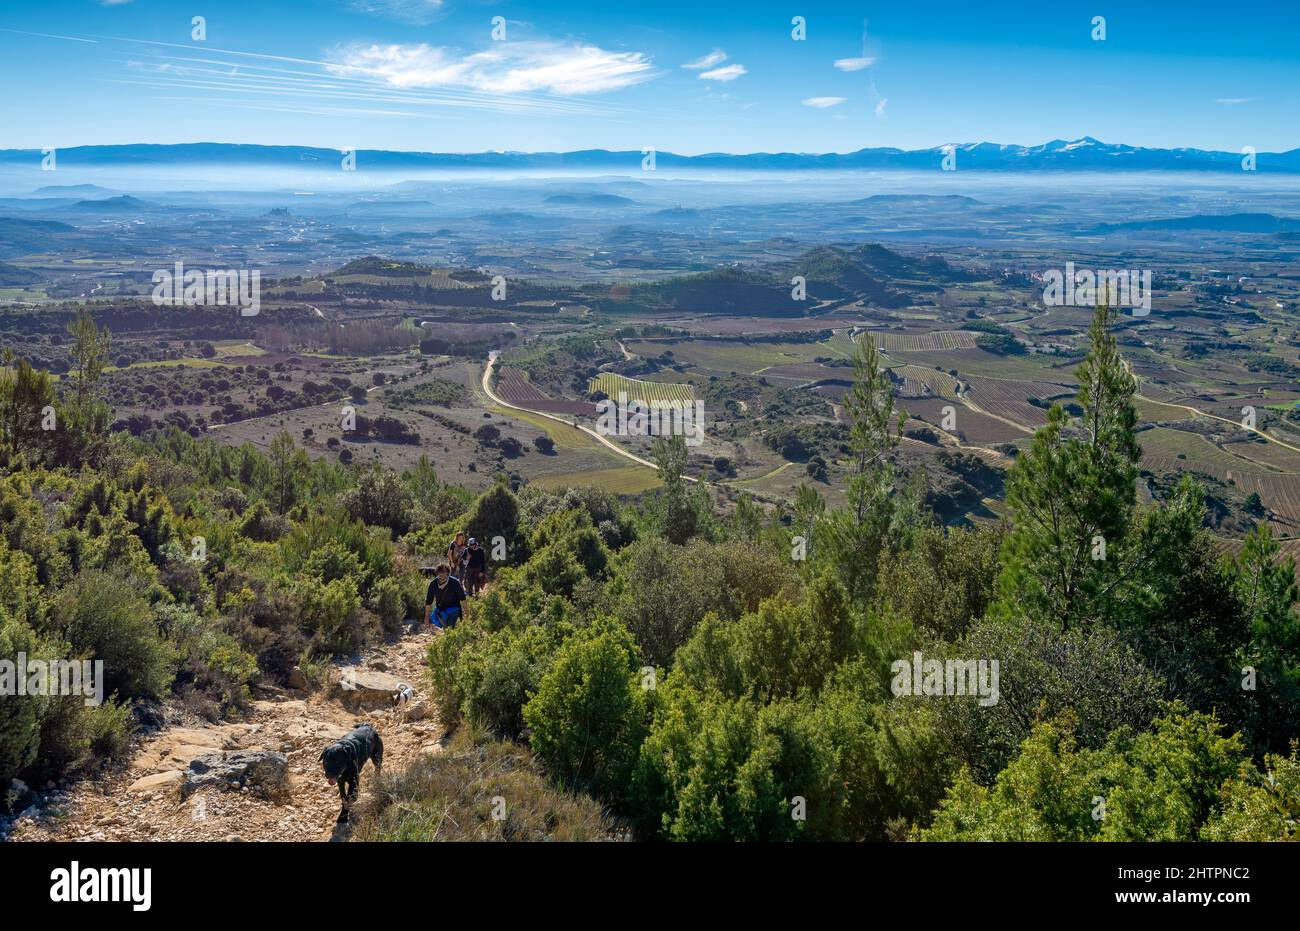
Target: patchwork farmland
(513, 385)
(636, 390)
(936, 341)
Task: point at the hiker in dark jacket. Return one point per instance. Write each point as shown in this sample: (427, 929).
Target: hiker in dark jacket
(442, 603)
(475, 567)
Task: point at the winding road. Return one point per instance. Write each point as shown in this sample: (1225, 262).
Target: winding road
(603, 440)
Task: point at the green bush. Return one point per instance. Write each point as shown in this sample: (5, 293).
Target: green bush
(1043, 672)
(331, 562)
(588, 715)
(660, 593)
(719, 769)
(778, 650)
(73, 735)
(388, 602)
(380, 498)
(554, 570)
(1260, 806)
(332, 613)
(20, 716)
(103, 617)
(487, 675)
(495, 513)
(1163, 784)
(212, 661)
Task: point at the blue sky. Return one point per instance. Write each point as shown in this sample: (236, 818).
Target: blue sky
(688, 77)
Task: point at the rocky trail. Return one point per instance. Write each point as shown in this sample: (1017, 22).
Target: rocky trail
(256, 779)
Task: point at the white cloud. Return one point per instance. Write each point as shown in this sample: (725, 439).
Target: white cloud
(416, 12)
(880, 107)
(506, 68)
(821, 103)
(715, 57)
(725, 73)
(855, 64)
(1233, 101)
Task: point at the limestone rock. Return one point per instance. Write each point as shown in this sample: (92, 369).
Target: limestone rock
(264, 770)
(161, 780)
(366, 689)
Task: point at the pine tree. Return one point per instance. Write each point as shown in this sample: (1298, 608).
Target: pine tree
(25, 393)
(680, 516)
(81, 438)
(288, 465)
(877, 514)
(1266, 588)
(809, 511)
(1072, 494)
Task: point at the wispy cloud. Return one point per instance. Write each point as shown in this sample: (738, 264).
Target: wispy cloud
(725, 73)
(715, 57)
(415, 12)
(1233, 101)
(259, 81)
(855, 64)
(51, 35)
(510, 68)
(821, 103)
(880, 108)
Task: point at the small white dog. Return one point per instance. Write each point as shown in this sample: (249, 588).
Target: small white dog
(402, 698)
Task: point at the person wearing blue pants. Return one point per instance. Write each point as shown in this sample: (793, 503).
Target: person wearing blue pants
(442, 604)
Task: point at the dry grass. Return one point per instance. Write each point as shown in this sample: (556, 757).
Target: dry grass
(453, 796)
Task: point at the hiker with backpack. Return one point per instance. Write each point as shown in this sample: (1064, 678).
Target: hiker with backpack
(475, 567)
(442, 604)
(456, 551)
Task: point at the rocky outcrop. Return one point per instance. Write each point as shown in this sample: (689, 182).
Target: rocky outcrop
(263, 770)
(366, 689)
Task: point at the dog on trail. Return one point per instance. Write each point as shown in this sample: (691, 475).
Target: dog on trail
(403, 696)
(344, 758)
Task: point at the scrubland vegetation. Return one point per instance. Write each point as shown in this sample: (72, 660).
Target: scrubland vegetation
(660, 667)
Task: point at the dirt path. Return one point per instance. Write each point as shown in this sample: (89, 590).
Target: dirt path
(143, 802)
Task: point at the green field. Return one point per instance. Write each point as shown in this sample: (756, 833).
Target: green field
(563, 435)
(233, 348)
(621, 480)
(727, 356)
(638, 390)
(1026, 367)
(170, 363)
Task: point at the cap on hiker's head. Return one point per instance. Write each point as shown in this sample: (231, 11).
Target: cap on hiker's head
(473, 542)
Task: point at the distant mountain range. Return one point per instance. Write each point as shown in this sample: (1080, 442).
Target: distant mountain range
(1085, 154)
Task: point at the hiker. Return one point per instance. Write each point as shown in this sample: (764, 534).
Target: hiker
(442, 603)
(475, 567)
(456, 554)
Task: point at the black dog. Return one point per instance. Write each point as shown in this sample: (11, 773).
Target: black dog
(344, 758)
